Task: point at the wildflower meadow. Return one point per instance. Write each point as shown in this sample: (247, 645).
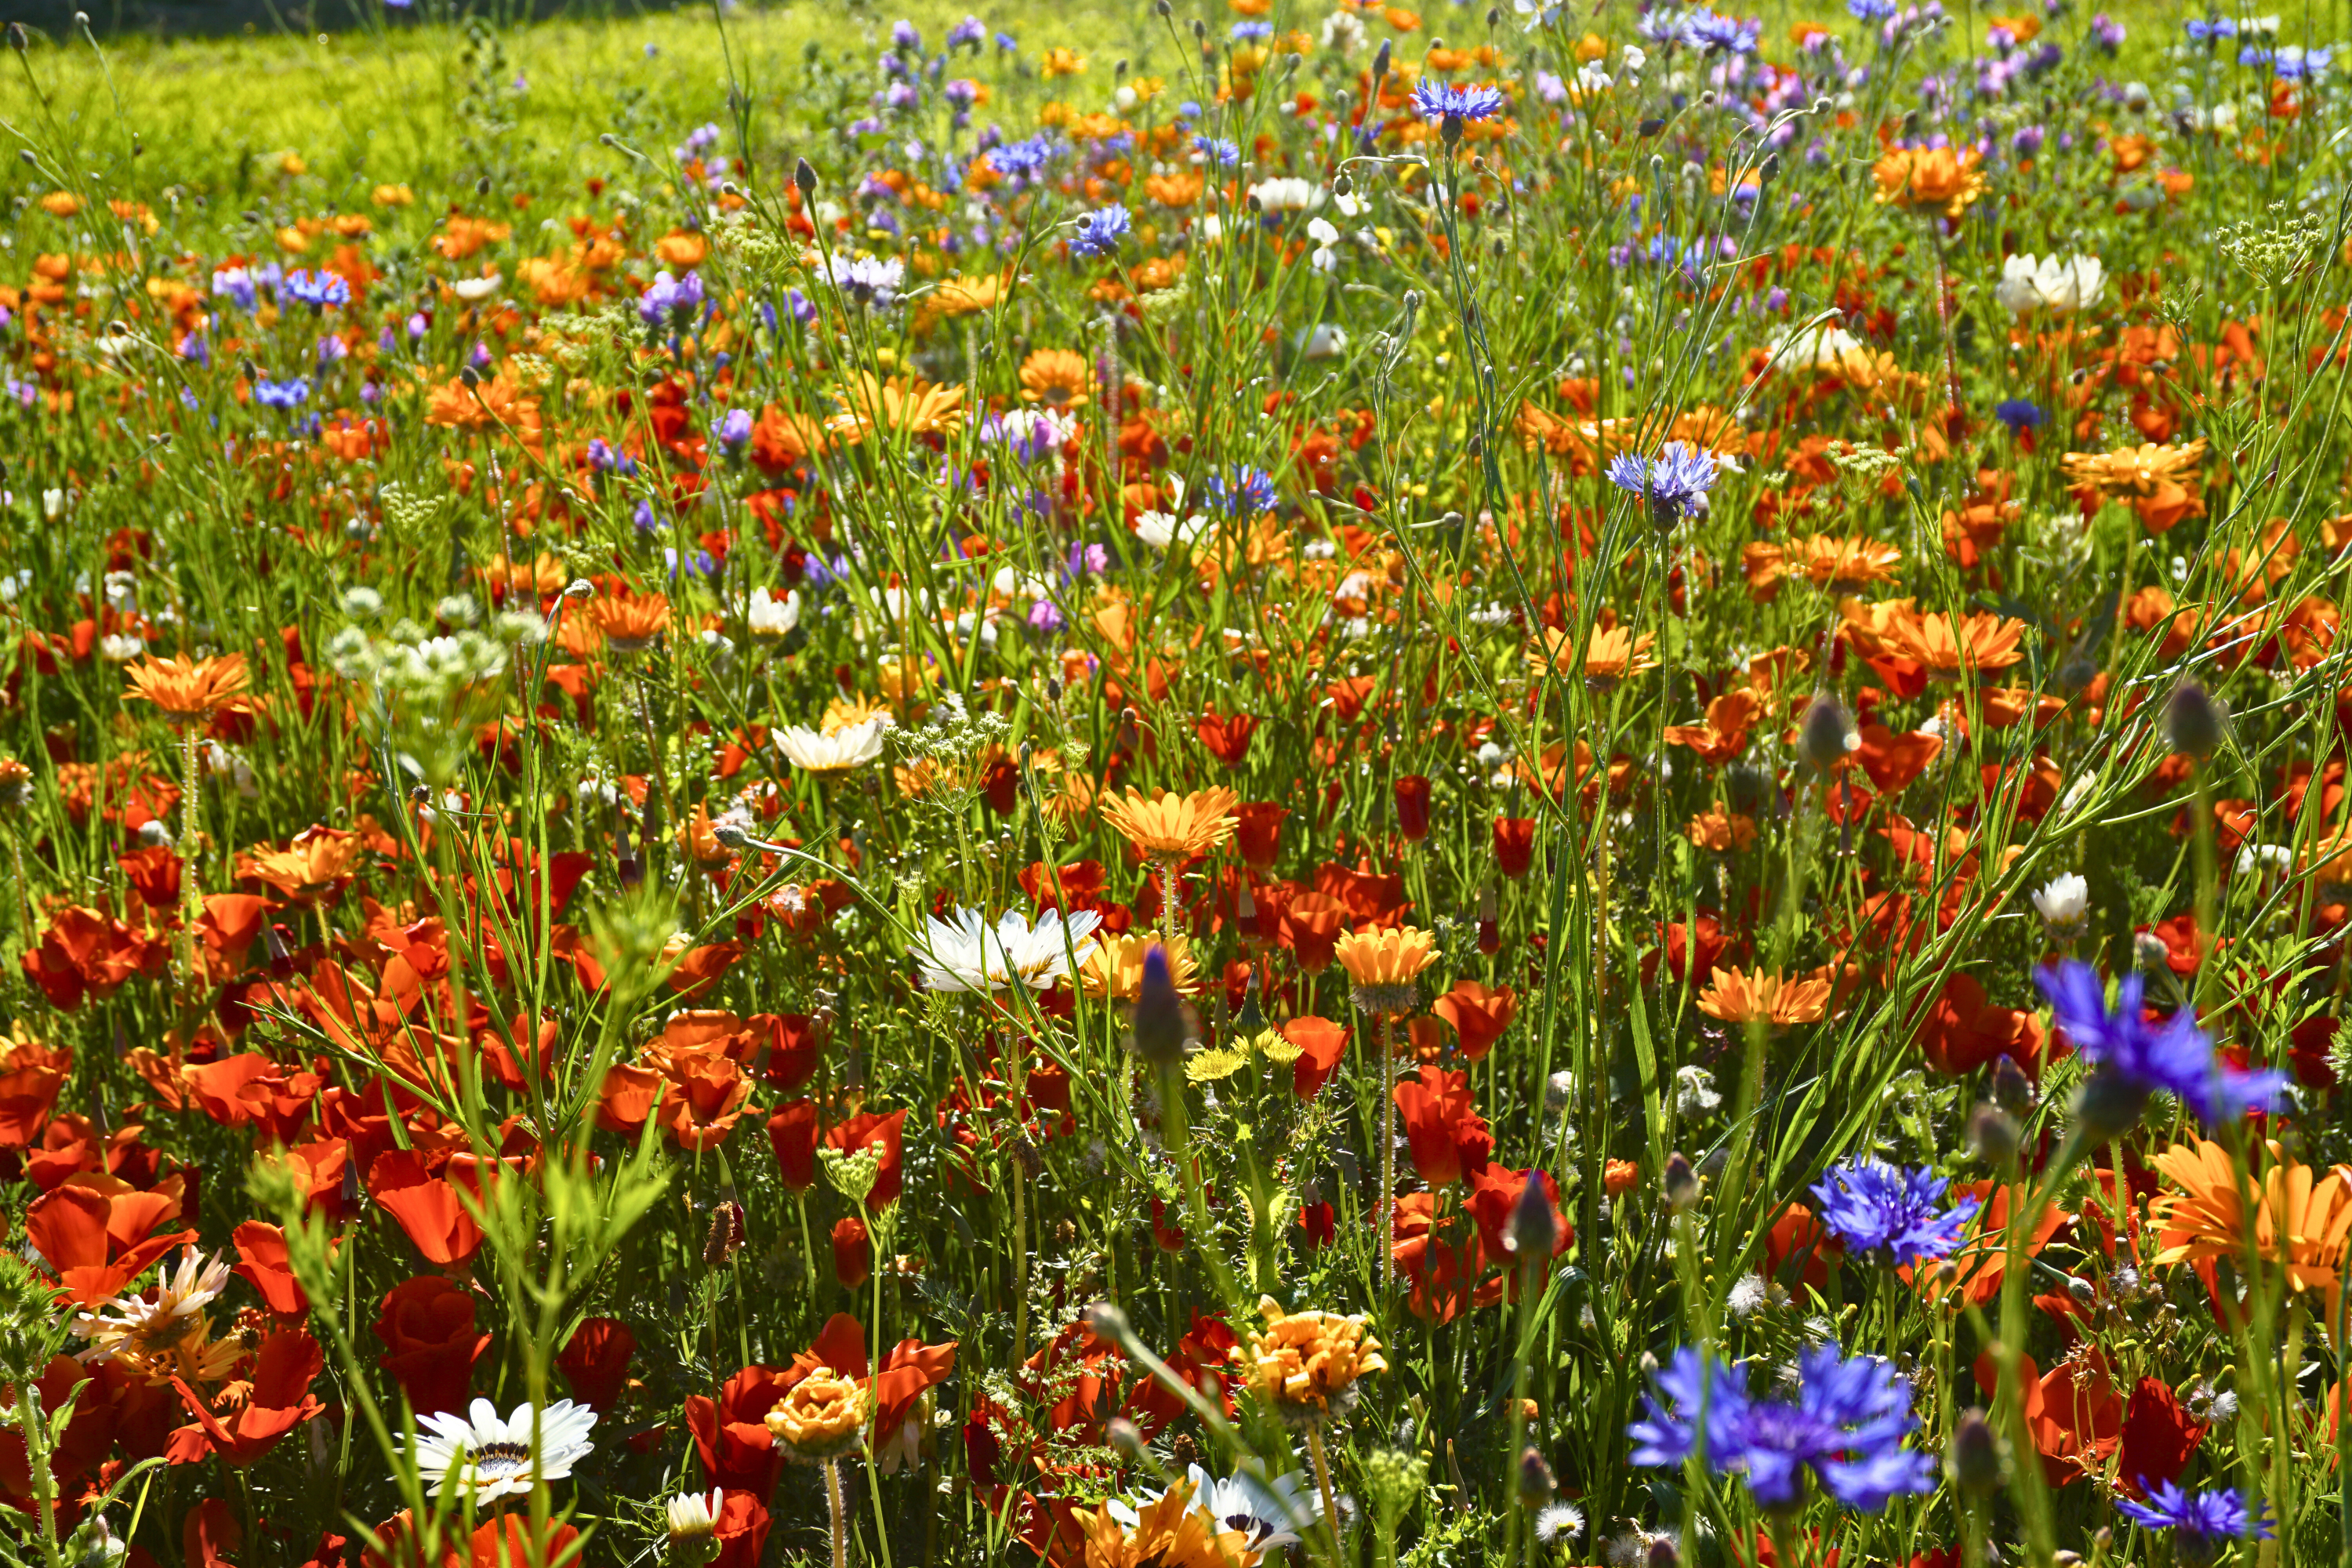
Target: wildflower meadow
(1178, 786)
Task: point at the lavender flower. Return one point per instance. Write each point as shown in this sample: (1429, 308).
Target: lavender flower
(1847, 1426)
(2132, 1058)
(1878, 1209)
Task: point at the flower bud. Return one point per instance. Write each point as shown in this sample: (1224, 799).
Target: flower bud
(804, 178)
(726, 1237)
(1160, 1025)
(2195, 720)
(2109, 1106)
(2011, 1090)
(1679, 1184)
(1994, 1135)
(1827, 734)
(1532, 1232)
(1664, 1554)
(1535, 1483)
(1973, 1461)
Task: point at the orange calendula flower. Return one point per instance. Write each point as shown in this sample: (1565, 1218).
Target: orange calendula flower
(1943, 179)
(1721, 832)
(1115, 968)
(1055, 376)
(2132, 471)
(1305, 1365)
(1947, 647)
(1385, 967)
(1613, 655)
(2300, 1219)
(821, 1418)
(896, 408)
(1764, 997)
(1174, 826)
(630, 625)
(1059, 62)
(1170, 1533)
(318, 861)
(188, 691)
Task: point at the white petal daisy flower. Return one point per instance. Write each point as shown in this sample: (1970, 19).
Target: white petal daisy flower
(151, 1330)
(964, 953)
(491, 1458)
(853, 746)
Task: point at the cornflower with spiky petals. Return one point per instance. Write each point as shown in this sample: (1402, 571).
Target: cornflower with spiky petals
(1876, 1207)
(2132, 1058)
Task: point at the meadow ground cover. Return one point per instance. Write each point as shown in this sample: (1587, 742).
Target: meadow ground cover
(1169, 791)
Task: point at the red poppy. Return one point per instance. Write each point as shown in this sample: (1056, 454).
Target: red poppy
(426, 1325)
(1257, 833)
(96, 1242)
(1479, 1014)
(1311, 924)
(792, 1132)
(853, 1253)
(595, 1362)
(741, 1530)
(1442, 1260)
(279, 1400)
(428, 1207)
(1449, 1138)
(2158, 1436)
(1413, 807)
(1320, 1043)
(1961, 1033)
(792, 1044)
(264, 1264)
(1227, 738)
(1514, 842)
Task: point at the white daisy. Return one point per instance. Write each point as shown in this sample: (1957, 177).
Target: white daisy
(694, 1517)
(1271, 1514)
(853, 746)
(964, 953)
(492, 1458)
(771, 617)
(132, 1322)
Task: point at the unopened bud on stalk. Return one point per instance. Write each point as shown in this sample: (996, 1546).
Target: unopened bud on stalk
(1107, 1321)
(1381, 61)
(726, 1237)
(1973, 1461)
(1159, 1029)
(2011, 1090)
(1664, 1554)
(2195, 720)
(1533, 1233)
(1679, 1184)
(1993, 1133)
(1127, 1438)
(1827, 735)
(731, 835)
(1535, 1483)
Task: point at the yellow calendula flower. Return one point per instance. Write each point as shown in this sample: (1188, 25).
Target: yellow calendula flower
(821, 1418)
(1305, 1365)
(1384, 965)
(1174, 826)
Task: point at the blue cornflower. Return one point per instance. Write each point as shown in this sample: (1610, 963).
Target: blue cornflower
(1217, 150)
(2203, 1524)
(970, 34)
(1876, 1207)
(1675, 482)
(236, 284)
(2254, 56)
(666, 295)
(2019, 415)
(2205, 29)
(734, 431)
(1870, 10)
(2292, 63)
(287, 394)
(1098, 233)
(1249, 32)
(2133, 1059)
(1705, 30)
(1250, 491)
(1847, 1426)
(1439, 102)
(318, 289)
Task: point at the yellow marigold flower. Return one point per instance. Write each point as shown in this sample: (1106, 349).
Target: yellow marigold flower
(1305, 1365)
(1175, 827)
(392, 196)
(1055, 376)
(821, 1417)
(1061, 62)
(1385, 967)
(1940, 178)
(1765, 998)
(1613, 655)
(188, 691)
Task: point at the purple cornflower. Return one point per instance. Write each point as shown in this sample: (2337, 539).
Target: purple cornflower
(1439, 102)
(1216, 150)
(1250, 491)
(1249, 32)
(969, 33)
(2292, 63)
(1876, 1207)
(905, 38)
(679, 298)
(2019, 414)
(318, 289)
(2106, 32)
(2207, 29)
(288, 394)
(607, 459)
(2203, 1524)
(2132, 1058)
(1705, 30)
(236, 284)
(1847, 1426)
(1098, 233)
(734, 431)
(1675, 483)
